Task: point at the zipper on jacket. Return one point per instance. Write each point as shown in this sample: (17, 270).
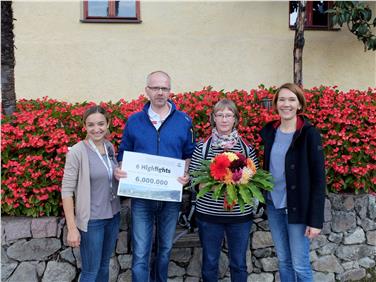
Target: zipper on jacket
(158, 134)
(159, 129)
(158, 141)
(158, 138)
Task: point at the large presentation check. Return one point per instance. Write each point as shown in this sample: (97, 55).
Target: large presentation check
(151, 177)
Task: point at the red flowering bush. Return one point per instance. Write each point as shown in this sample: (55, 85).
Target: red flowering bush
(36, 138)
(34, 141)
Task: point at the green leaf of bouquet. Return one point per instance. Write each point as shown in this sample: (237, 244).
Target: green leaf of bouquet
(218, 192)
(265, 184)
(194, 173)
(263, 172)
(231, 193)
(203, 191)
(257, 193)
(204, 179)
(245, 194)
(201, 179)
(264, 175)
(206, 162)
(198, 173)
(241, 204)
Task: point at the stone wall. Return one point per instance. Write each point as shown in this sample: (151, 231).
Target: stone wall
(34, 249)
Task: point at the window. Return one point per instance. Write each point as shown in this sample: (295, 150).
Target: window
(316, 18)
(111, 11)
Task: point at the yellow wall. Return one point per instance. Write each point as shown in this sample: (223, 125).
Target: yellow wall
(224, 44)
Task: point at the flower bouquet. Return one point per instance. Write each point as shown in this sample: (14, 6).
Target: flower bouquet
(234, 177)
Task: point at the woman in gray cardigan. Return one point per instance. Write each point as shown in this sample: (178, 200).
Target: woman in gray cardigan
(91, 207)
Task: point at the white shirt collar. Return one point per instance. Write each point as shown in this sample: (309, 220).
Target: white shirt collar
(156, 118)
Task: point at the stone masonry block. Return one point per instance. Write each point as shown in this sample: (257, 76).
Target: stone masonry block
(17, 228)
(44, 227)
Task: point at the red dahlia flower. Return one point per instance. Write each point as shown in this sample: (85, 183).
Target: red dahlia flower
(218, 168)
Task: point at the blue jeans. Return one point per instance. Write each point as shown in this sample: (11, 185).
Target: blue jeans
(146, 213)
(211, 237)
(96, 247)
(291, 245)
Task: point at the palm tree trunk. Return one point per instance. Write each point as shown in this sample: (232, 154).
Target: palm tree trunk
(299, 44)
(7, 59)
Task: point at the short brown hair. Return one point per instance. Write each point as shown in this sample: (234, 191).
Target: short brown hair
(294, 88)
(225, 104)
(93, 110)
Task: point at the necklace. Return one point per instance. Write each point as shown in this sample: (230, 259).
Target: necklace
(106, 164)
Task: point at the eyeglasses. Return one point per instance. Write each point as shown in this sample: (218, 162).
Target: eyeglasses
(157, 89)
(226, 116)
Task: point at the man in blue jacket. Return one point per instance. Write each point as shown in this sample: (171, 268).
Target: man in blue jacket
(159, 129)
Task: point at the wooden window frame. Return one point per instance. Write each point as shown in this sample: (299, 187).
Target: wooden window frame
(111, 18)
(309, 18)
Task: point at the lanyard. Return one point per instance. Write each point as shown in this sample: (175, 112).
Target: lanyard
(107, 165)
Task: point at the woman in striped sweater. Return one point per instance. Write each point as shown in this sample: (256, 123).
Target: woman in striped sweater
(212, 219)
